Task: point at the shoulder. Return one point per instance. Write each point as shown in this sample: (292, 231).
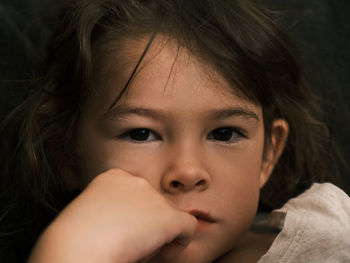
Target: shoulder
(250, 249)
(315, 227)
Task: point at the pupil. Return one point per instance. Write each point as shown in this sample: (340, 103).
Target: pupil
(222, 134)
(139, 135)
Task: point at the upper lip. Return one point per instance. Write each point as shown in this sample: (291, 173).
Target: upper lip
(202, 215)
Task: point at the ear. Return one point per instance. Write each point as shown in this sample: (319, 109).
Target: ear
(273, 149)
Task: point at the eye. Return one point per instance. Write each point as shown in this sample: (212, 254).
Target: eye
(226, 135)
(140, 135)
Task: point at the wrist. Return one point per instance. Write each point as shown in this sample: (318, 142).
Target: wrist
(59, 245)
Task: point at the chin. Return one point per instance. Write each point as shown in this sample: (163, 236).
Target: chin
(192, 254)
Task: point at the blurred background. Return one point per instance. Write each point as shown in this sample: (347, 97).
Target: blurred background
(321, 29)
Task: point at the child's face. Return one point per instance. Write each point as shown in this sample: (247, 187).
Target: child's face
(196, 142)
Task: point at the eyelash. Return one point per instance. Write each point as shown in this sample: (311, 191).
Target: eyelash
(235, 132)
(127, 135)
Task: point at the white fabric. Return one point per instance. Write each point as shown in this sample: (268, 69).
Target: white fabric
(315, 228)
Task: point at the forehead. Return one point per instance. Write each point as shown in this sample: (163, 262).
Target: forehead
(168, 75)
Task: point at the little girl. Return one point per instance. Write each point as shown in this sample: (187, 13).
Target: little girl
(157, 129)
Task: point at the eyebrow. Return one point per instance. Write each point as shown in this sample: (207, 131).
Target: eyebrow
(121, 111)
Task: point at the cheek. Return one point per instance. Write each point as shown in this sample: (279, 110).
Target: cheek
(238, 184)
(240, 167)
(100, 155)
(144, 161)
(237, 201)
(94, 152)
(91, 158)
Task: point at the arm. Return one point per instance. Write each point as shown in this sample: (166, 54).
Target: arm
(117, 218)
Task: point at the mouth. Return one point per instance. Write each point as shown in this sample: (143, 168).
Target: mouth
(204, 216)
(205, 220)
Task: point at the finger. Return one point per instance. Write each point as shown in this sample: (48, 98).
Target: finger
(172, 249)
(175, 247)
(146, 259)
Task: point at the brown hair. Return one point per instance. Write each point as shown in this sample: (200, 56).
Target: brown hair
(235, 37)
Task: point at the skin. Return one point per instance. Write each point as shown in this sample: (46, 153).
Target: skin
(139, 193)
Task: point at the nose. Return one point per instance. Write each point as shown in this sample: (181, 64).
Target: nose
(184, 176)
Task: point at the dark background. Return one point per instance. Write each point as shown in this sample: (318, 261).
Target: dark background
(321, 29)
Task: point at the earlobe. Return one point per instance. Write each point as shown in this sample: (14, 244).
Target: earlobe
(274, 148)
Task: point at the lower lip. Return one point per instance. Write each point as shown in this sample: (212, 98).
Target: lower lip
(203, 225)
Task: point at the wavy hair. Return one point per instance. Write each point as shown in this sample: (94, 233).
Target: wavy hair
(238, 39)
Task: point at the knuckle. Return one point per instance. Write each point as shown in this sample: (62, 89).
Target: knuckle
(108, 177)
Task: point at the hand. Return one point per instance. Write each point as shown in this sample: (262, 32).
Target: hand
(117, 218)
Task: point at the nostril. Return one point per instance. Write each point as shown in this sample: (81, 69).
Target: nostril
(200, 183)
(187, 186)
(175, 184)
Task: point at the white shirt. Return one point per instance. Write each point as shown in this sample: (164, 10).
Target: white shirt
(315, 227)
